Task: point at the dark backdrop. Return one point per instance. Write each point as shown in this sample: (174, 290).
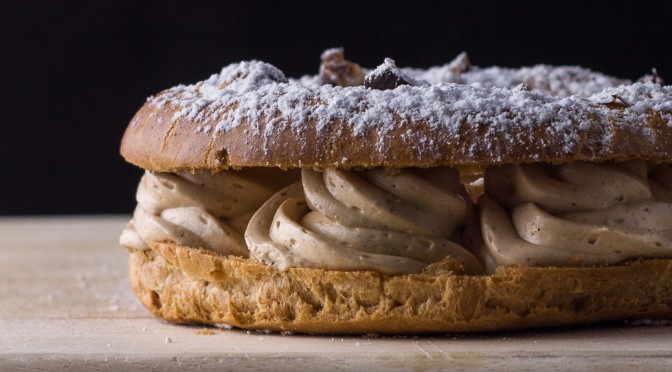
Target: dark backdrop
(74, 73)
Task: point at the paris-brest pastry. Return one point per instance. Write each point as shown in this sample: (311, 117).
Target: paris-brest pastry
(398, 200)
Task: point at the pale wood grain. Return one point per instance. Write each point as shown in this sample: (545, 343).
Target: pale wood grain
(65, 301)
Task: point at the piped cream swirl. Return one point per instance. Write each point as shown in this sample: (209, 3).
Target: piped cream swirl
(394, 222)
(576, 214)
(201, 209)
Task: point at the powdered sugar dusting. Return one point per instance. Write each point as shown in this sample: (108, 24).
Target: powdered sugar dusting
(221, 89)
(260, 95)
(639, 97)
(560, 81)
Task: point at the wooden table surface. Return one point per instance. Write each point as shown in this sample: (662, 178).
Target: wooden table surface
(65, 301)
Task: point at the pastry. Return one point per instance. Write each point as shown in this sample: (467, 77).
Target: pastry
(344, 202)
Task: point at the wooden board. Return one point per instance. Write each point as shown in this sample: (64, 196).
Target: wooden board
(65, 302)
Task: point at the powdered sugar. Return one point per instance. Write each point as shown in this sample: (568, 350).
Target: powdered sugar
(559, 81)
(258, 94)
(639, 98)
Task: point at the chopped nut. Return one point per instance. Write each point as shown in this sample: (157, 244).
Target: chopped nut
(652, 78)
(336, 70)
(388, 76)
(460, 64)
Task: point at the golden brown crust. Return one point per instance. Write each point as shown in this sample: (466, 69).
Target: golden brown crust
(183, 284)
(176, 147)
(232, 120)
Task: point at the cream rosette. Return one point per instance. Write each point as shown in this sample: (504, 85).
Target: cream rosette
(576, 214)
(390, 221)
(200, 209)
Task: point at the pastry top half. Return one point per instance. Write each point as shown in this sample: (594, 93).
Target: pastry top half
(251, 115)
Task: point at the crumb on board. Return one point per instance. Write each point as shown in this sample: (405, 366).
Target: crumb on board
(205, 332)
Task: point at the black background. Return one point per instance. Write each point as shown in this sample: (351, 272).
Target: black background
(73, 73)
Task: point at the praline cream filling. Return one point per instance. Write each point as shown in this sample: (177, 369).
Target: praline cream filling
(576, 214)
(400, 221)
(391, 221)
(204, 210)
